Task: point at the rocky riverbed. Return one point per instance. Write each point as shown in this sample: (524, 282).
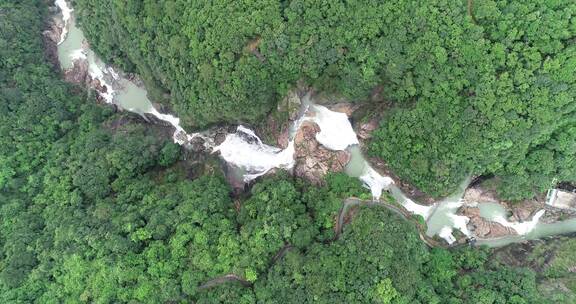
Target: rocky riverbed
(313, 161)
(516, 212)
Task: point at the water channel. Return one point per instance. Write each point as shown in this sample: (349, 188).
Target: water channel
(245, 151)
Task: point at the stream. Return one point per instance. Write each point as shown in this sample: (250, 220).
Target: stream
(245, 151)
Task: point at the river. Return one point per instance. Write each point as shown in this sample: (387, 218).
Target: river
(245, 151)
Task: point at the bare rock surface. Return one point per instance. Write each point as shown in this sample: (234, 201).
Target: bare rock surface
(290, 104)
(275, 130)
(479, 195)
(343, 107)
(220, 136)
(78, 73)
(51, 37)
(483, 228)
(313, 161)
(54, 31)
(283, 138)
(517, 212)
(365, 130)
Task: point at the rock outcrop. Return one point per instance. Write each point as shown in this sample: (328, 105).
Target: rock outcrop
(78, 73)
(518, 212)
(477, 194)
(365, 129)
(480, 226)
(313, 161)
(483, 228)
(275, 130)
(343, 107)
(51, 37)
(290, 104)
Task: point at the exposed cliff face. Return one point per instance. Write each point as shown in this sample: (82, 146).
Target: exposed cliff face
(78, 73)
(312, 160)
(343, 107)
(51, 37)
(364, 130)
(275, 130)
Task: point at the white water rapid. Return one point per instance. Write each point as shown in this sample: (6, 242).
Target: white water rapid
(66, 15)
(245, 150)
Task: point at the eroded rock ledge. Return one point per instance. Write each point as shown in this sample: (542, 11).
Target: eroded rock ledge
(313, 161)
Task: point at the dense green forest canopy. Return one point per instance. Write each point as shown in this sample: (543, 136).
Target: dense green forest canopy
(96, 207)
(485, 89)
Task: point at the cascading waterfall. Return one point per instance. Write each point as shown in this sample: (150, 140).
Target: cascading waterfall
(524, 227)
(246, 150)
(66, 15)
(119, 90)
(336, 133)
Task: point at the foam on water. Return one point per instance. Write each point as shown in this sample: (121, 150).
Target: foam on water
(375, 182)
(409, 204)
(66, 15)
(336, 132)
(521, 228)
(246, 150)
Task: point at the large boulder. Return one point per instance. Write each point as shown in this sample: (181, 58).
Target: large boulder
(78, 73)
(343, 107)
(483, 228)
(313, 161)
(366, 128)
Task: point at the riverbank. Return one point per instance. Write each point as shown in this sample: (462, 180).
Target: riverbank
(311, 140)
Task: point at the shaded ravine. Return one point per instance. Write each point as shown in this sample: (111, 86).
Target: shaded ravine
(244, 150)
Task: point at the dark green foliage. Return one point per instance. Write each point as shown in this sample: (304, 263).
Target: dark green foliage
(84, 215)
(496, 97)
(325, 202)
(169, 154)
(380, 259)
(274, 216)
(90, 214)
(378, 246)
(197, 52)
(232, 293)
(464, 276)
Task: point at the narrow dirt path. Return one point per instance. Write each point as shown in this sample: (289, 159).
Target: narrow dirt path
(471, 11)
(354, 201)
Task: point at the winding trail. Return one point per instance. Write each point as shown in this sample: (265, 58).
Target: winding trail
(338, 228)
(405, 215)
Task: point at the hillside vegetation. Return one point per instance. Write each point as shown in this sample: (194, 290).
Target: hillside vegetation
(483, 90)
(97, 208)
